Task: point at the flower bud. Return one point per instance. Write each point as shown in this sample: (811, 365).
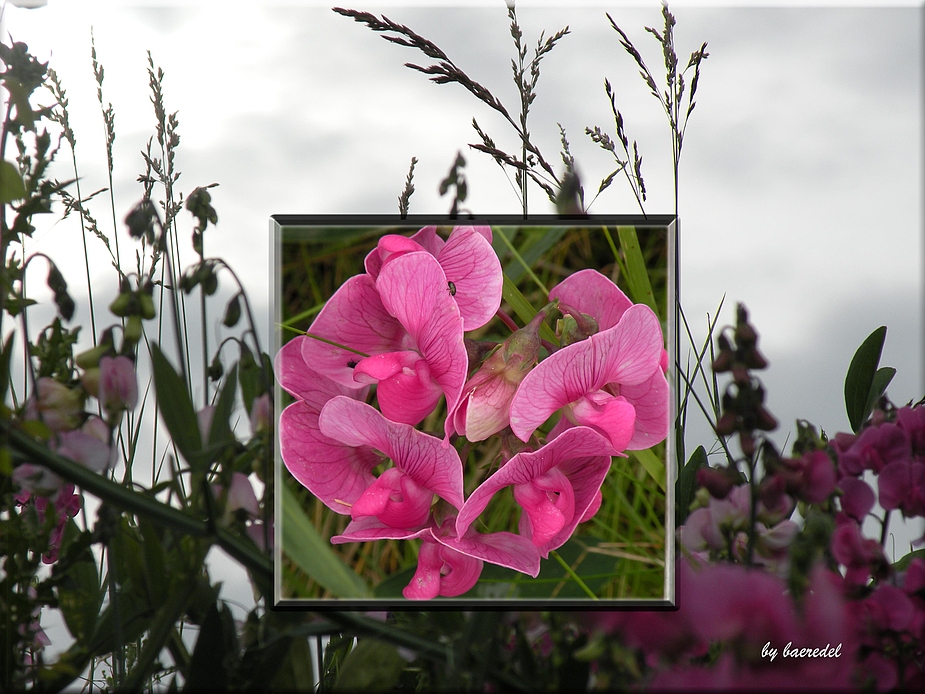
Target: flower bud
(485, 406)
(132, 331)
(261, 414)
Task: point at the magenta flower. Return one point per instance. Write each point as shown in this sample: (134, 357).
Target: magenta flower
(442, 571)
(912, 421)
(610, 382)
(467, 259)
(901, 485)
(334, 473)
(555, 486)
(861, 557)
(409, 325)
(88, 445)
(117, 389)
(400, 498)
(857, 498)
(874, 448)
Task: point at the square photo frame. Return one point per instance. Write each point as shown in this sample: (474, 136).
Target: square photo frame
(475, 413)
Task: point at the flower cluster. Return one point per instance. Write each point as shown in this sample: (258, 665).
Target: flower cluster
(56, 410)
(391, 344)
(770, 599)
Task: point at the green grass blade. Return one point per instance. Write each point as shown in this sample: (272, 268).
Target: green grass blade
(637, 276)
(652, 465)
(312, 554)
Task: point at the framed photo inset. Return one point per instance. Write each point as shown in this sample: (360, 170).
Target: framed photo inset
(475, 412)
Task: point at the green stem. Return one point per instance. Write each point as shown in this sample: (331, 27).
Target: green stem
(523, 263)
(134, 502)
(571, 572)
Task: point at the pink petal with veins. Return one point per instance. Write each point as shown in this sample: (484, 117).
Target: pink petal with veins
(624, 355)
(414, 290)
(420, 456)
(354, 317)
(396, 500)
(581, 455)
(504, 549)
(590, 292)
(470, 263)
(336, 474)
(407, 393)
(298, 379)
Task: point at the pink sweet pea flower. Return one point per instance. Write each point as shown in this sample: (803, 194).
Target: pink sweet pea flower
(861, 557)
(912, 421)
(117, 388)
(88, 445)
(442, 571)
(857, 498)
(56, 405)
(409, 325)
(901, 485)
(555, 486)
(467, 259)
(335, 473)
(610, 382)
(874, 448)
(400, 498)
(591, 293)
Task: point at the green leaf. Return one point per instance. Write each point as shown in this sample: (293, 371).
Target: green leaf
(215, 647)
(220, 433)
(637, 275)
(176, 408)
(5, 357)
(881, 380)
(79, 592)
(684, 488)
(860, 379)
(11, 185)
(372, 666)
(652, 464)
(312, 554)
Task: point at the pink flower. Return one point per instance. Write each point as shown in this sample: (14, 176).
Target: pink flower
(241, 495)
(610, 382)
(861, 557)
(857, 497)
(442, 571)
(408, 323)
(485, 406)
(117, 389)
(555, 486)
(912, 421)
(590, 293)
(335, 473)
(55, 404)
(399, 500)
(874, 448)
(901, 485)
(261, 415)
(88, 445)
(473, 272)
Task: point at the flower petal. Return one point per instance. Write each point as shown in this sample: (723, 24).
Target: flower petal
(407, 393)
(590, 292)
(420, 456)
(470, 263)
(396, 500)
(580, 453)
(650, 400)
(370, 529)
(298, 379)
(607, 414)
(354, 317)
(413, 289)
(626, 354)
(336, 474)
(503, 549)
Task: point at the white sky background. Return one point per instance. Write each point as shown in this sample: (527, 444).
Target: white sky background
(801, 175)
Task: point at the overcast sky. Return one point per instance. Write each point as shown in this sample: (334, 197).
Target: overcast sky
(801, 176)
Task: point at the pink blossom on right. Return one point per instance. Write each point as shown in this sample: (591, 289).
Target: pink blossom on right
(611, 382)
